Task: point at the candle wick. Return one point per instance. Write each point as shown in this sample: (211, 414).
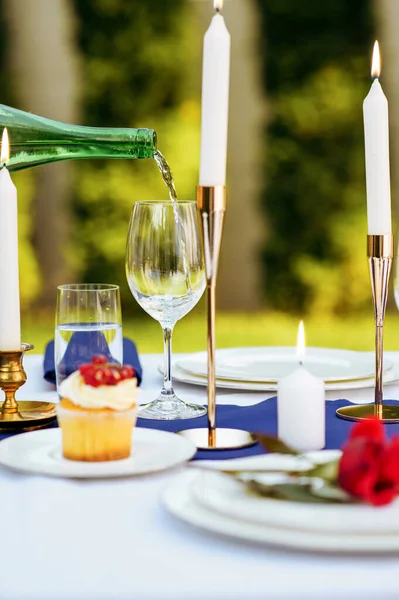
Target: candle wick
(217, 10)
(300, 363)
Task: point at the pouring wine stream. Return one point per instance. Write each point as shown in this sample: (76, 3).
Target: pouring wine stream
(170, 184)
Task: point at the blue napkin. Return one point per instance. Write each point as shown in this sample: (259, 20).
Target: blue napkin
(261, 418)
(81, 348)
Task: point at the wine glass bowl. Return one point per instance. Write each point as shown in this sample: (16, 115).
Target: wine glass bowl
(166, 275)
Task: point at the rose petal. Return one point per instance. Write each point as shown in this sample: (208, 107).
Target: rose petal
(359, 468)
(389, 466)
(382, 494)
(372, 429)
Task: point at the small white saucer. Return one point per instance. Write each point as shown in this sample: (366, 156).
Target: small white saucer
(41, 452)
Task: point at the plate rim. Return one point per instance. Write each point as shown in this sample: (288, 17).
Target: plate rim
(289, 351)
(391, 377)
(56, 432)
(260, 535)
(282, 512)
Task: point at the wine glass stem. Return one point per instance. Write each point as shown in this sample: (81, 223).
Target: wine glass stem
(167, 389)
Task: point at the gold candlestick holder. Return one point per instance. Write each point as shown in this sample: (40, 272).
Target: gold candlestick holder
(20, 415)
(211, 202)
(380, 254)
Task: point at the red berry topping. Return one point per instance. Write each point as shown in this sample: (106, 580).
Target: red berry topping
(127, 372)
(90, 380)
(99, 359)
(86, 368)
(99, 377)
(107, 376)
(116, 374)
(100, 372)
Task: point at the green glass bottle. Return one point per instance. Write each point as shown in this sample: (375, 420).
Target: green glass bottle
(36, 141)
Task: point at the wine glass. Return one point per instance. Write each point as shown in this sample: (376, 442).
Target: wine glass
(166, 275)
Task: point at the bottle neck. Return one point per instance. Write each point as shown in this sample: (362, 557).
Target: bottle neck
(128, 144)
(36, 140)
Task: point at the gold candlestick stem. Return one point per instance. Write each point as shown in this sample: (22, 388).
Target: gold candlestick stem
(211, 303)
(20, 415)
(380, 254)
(211, 202)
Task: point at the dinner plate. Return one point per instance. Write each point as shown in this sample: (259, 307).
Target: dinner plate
(225, 495)
(183, 376)
(269, 364)
(41, 452)
(179, 500)
(266, 462)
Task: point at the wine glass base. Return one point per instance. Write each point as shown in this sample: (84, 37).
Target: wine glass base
(168, 408)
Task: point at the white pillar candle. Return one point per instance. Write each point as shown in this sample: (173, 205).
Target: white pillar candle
(215, 101)
(10, 320)
(376, 140)
(301, 406)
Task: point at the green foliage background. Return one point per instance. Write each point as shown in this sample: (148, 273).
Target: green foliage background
(137, 61)
(136, 74)
(316, 62)
(30, 289)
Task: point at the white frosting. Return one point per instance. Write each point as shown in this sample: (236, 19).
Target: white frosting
(117, 397)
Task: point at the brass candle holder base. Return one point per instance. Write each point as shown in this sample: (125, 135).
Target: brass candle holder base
(20, 415)
(388, 413)
(211, 203)
(380, 254)
(219, 439)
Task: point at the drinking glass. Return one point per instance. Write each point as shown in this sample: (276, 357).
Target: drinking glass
(88, 321)
(166, 275)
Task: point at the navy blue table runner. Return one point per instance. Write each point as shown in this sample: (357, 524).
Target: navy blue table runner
(260, 417)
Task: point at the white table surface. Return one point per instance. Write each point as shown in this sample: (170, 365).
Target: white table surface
(112, 539)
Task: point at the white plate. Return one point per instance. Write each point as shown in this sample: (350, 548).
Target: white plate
(267, 462)
(178, 499)
(269, 364)
(227, 496)
(41, 452)
(357, 384)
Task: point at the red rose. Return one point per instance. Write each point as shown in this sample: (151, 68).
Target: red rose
(369, 466)
(388, 478)
(371, 429)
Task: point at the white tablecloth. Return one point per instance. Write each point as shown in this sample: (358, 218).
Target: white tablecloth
(112, 539)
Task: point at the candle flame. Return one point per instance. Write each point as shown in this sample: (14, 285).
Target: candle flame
(218, 5)
(376, 61)
(300, 344)
(5, 147)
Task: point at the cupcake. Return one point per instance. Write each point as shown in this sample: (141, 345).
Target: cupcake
(98, 411)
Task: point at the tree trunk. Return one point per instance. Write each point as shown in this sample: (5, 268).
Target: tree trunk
(44, 61)
(240, 274)
(240, 278)
(387, 17)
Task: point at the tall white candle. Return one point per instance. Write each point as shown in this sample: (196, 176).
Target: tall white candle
(10, 321)
(376, 139)
(215, 101)
(301, 406)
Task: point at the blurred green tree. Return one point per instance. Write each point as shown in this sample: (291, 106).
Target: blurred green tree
(136, 65)
(316, 63)
(137, 60)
